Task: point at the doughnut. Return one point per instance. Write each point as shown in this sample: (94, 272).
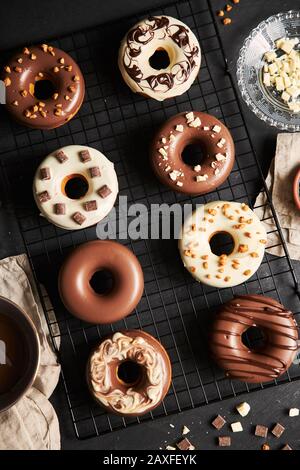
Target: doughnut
(186, 129)
(296, 187)
(280, 338)
(77, 293)
(75, 166)
(219, 217)
(159, 33)
(44, 87)
(129, 373)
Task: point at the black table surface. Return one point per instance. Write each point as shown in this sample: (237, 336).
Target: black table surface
(26, 22)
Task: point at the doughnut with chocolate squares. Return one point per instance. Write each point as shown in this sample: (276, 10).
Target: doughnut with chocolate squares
(75, 187)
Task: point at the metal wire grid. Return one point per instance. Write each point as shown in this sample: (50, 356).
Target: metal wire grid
(174, 308)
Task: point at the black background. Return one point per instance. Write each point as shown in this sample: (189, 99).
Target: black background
(29, 21)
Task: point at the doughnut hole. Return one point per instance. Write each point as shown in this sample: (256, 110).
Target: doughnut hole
(42, 89)
(74, 186)
(102, 282)
(254, 338)
(193, 154)
(130, 373)
(160, 59)
(221, 243)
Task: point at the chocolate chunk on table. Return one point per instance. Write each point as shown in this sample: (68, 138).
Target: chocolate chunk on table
(104, 191)
(79, 218)
(95, 171)
(60, 208)
(278, 430)
(61, 156)
(90, 206)
(218, 422)
(44, 196)
(45, 174)
(261, 431)
(85, 156)
(185, 444)
(224, 441)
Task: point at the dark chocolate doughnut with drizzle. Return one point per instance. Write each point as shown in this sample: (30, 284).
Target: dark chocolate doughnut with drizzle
(280, 332)
(44, 87)
(143, 40)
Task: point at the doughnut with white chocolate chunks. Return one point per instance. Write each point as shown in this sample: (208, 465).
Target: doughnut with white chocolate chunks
(175, 135)
(159, 34)
(75, 187)
(220, 217)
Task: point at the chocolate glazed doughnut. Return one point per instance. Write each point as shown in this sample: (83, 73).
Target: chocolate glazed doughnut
(129, 373)
(255, 365)
(44, 87)
(81, 299)
(186, 129)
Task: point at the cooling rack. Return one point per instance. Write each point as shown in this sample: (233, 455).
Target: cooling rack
(174, 308)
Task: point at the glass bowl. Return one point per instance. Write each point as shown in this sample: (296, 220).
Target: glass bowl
(262, 101)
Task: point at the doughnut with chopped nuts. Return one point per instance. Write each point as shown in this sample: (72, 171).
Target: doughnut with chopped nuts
(221, 217)
(36, 81)
(82, 184)
(189, 128)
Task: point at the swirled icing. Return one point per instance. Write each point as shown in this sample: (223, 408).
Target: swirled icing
(120, 348)
(149, 35)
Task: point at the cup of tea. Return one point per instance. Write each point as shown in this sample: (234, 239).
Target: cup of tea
(19, 353)
(296, 189)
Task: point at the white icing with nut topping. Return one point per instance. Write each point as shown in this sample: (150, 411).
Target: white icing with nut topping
(247, 232)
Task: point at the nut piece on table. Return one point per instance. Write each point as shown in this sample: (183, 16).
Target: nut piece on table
(265, 446)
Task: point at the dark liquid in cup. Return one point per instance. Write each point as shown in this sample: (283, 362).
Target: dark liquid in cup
(13, 354)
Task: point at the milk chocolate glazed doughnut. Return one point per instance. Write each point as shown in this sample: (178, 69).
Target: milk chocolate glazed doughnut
(254, 365)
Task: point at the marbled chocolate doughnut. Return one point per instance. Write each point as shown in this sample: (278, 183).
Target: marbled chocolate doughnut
(44, 87)
(82, 300)
(254, 365)
(175, 135)
(153, 34)
(129, 373)
(75, 166)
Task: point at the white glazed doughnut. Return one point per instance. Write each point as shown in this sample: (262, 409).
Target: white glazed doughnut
(143, 40)
(247, 232)
(87, 164)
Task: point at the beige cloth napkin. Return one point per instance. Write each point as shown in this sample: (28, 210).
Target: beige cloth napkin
(32, 423)
(280, 184)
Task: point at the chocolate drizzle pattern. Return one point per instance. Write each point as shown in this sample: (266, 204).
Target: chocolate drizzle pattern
(133, 400)
(161, 28)
(255, 365)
